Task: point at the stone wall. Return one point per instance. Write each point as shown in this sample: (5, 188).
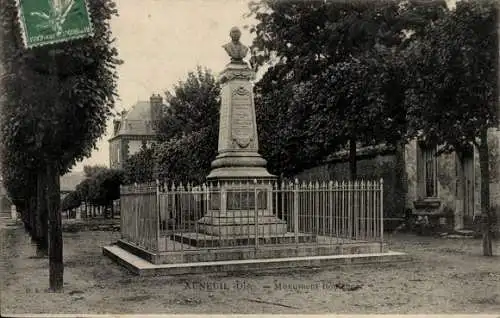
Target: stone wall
(401, 186)
(371, 167)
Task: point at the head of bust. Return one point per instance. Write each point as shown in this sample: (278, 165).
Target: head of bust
(235, 34)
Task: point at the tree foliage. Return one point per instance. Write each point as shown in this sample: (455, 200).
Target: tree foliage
(454, 98)
(188, 132)
(70, 201)
(336, 76)
(140, 167)
(102, 187)
(56, 100)
(90, 171)
(187, 158)
(193, 105)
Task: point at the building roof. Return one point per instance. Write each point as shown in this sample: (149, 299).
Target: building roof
(136, 121)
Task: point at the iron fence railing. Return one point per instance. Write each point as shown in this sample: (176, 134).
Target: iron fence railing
(175, 218)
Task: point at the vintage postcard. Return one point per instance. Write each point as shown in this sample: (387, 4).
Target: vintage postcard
(257, 157)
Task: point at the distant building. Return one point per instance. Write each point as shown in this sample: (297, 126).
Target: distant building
(135, 128)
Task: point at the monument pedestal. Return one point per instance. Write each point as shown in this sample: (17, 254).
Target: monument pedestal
(241, 206)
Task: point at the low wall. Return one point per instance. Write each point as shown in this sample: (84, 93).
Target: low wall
(372, 166)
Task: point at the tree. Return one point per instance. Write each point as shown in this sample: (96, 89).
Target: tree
(100, 188)
(83, 189)
(105, 188)
(188, 132)
(192, 105)
(453, 101)
(57, 100)
(367, 106)
(337, 62)
(140, 168)
(187, 158)
(19, 183)
(70, 201)
(90, 171)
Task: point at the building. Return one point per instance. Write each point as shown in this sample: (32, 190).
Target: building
(446, 188)
(134, 129)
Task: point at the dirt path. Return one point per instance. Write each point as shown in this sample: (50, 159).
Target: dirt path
(450, 276)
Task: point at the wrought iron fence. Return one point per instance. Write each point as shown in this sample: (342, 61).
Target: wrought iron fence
(174, 218)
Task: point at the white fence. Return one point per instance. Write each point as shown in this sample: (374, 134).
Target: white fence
(165, 217)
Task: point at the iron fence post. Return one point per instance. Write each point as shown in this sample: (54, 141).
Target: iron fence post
(381, 215)
(256, 208)
(296, 210)
(158, 211)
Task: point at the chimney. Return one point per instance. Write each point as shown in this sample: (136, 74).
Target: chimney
(156, 103)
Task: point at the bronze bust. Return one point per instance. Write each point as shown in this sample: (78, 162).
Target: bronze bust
(235, 49)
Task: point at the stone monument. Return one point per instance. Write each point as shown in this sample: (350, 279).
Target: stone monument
(239, 171)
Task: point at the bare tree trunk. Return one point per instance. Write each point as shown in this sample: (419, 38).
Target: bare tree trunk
(32, 217)
(486, 218)
(41, 217)
(56, 271)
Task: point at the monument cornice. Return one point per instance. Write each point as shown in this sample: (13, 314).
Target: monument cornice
(236, 72)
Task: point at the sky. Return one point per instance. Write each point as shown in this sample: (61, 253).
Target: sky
(160, 41)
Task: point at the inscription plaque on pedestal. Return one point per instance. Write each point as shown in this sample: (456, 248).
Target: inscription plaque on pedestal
(215, 201)
(245, 200)
(241, 117)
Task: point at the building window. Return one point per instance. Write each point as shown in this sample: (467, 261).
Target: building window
(118, 154)
(428, 171)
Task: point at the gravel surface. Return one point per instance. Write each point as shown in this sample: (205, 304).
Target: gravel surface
(447, 276)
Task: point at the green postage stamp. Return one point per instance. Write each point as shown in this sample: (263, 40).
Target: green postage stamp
(52, 21)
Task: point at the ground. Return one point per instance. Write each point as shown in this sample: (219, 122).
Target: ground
(447, 276)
